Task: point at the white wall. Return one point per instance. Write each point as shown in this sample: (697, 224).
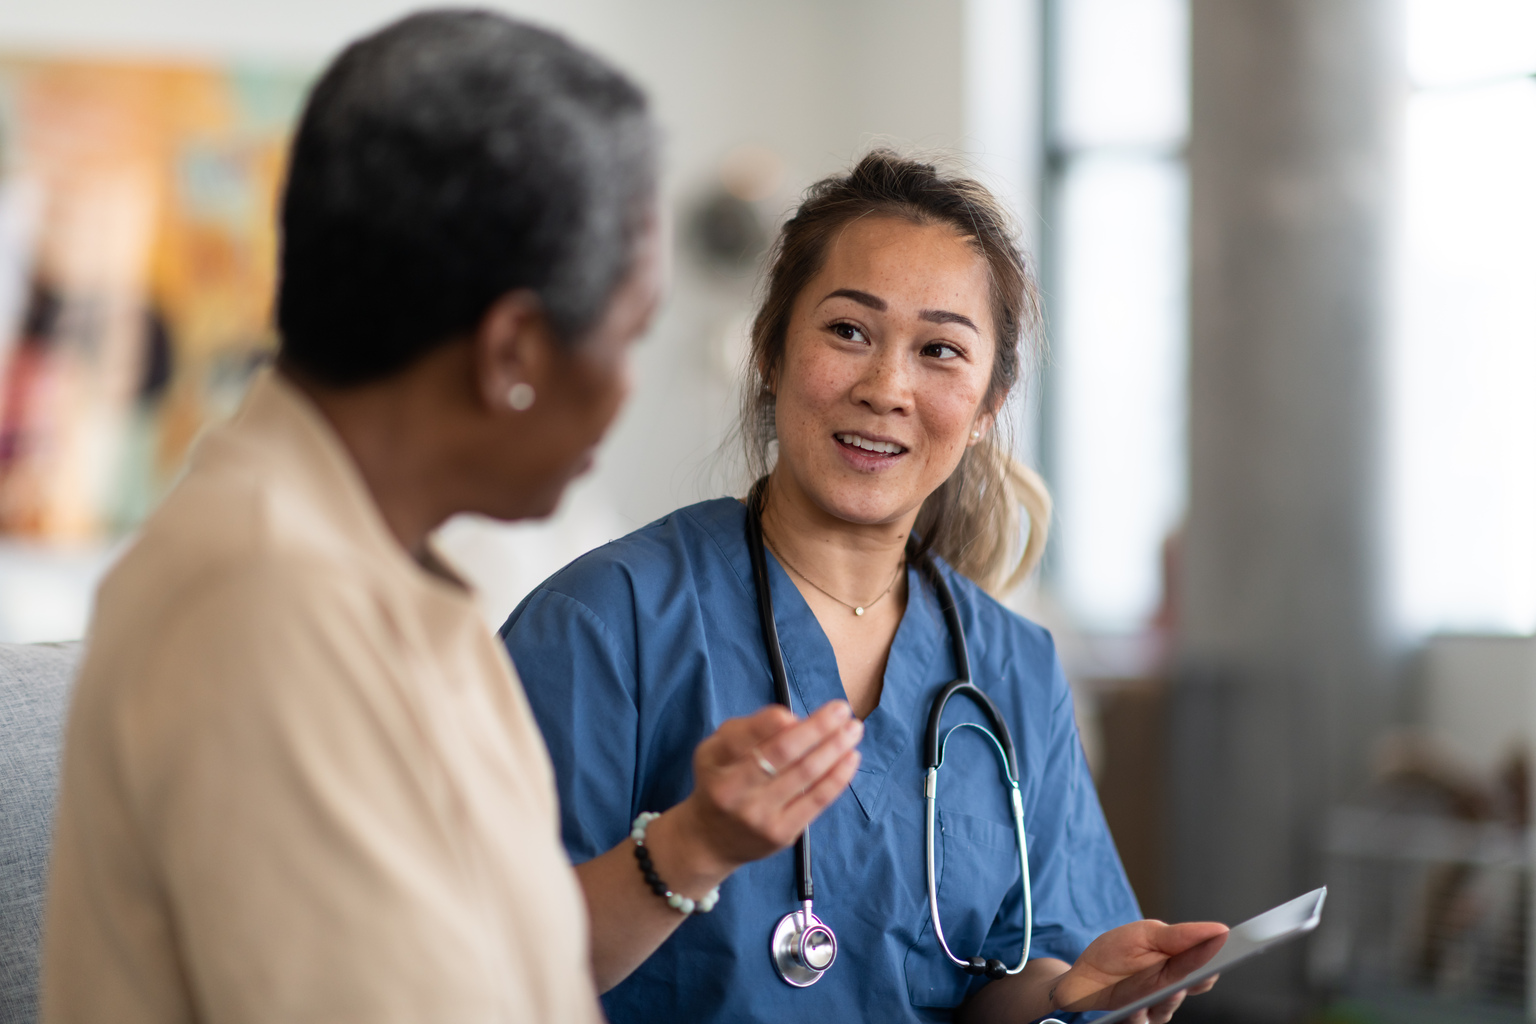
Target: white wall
(1478, 698)
(817, 81)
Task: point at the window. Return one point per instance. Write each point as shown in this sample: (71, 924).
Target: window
(1115, 278)
(1462, 353)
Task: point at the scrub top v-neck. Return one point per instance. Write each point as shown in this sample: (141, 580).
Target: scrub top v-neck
(636, 652)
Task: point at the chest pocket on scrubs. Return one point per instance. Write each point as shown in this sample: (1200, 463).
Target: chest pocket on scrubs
(979, 865)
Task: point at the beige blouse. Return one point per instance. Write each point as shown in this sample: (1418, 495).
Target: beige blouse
(301, 781)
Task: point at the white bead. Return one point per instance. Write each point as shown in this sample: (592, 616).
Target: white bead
(520, 396)
(686, 906)
(675, 901)
(641, 823)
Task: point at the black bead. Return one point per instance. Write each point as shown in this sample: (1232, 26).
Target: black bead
(996, 969)
(648, 869)
(975, 965)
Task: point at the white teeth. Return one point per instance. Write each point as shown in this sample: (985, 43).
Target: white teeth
(884, 447)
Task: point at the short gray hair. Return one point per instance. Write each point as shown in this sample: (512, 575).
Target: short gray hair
(441, 162)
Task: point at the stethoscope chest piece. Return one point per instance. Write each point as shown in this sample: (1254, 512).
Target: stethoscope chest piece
(802, 947)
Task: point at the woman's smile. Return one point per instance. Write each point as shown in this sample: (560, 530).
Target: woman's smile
(871, 453)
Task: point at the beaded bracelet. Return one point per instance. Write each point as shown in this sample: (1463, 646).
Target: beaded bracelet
(677, 901)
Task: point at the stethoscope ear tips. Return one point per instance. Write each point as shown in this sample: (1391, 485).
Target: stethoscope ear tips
(993, 968)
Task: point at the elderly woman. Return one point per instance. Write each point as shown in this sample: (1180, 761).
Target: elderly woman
(847, 586)
(301, 782)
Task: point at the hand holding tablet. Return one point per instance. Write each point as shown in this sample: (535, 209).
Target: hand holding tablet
(1123, 966)
(1180, 959)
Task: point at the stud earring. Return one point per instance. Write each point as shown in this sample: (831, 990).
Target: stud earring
(975, 435)
(520, 396)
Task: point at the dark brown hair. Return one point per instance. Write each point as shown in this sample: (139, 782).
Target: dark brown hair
(973, 519)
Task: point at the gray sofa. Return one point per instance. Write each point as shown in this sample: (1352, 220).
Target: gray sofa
(34, 694)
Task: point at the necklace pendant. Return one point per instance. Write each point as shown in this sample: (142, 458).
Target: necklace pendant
(858, 611)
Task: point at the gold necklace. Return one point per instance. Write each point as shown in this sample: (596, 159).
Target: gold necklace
(856, 609)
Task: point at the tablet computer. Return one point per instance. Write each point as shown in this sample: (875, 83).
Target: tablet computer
(1250, 938)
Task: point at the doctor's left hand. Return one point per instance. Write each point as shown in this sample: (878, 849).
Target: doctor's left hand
(1117, 968)
(1128, 962)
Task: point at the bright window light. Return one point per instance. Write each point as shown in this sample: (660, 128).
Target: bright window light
(1117, 303)
(1464, 42)
(1463, 357)
(1124, 72)
(1120, 371)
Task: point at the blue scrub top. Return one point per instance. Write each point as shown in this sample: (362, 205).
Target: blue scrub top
(636, 652)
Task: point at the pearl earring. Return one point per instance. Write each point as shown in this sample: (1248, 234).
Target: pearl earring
(975, 435)
(520, 396)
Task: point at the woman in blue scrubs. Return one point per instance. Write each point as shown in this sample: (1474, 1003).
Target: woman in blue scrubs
(889, 339)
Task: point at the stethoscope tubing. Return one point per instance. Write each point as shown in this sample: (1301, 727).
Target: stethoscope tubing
(934, 748)
(930, 806)
(805, 887)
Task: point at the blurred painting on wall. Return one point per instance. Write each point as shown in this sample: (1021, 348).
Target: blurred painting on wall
(137, 256)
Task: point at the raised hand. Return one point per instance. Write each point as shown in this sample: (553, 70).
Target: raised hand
(1135, 959)
(760, 780)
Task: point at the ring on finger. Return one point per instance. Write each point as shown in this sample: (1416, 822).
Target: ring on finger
(763, 763)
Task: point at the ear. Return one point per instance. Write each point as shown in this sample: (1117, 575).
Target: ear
(982, 425)
(514, 344)
(768, 376)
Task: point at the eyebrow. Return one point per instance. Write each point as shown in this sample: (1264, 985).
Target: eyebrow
(862, 298)
(933, 316)
(944, 316)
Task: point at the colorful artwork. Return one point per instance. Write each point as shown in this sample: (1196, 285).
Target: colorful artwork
(137, 258)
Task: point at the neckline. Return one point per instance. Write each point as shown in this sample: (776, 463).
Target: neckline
(280, 410)
(811, 665)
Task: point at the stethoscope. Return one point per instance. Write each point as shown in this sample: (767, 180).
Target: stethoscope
(803, 946)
